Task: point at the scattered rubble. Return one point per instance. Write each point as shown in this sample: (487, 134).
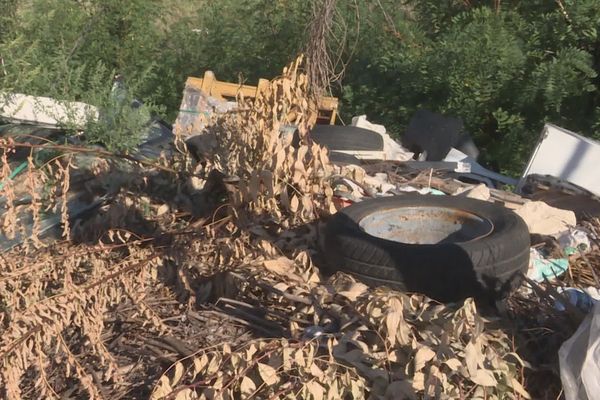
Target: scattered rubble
(477, 171)
(189, 266)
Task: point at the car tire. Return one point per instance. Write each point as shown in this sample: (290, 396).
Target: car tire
(346, 138)
(485, 267)
(343, 159)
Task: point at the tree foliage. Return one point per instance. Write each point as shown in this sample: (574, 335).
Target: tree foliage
(504, 67)
(504, 70)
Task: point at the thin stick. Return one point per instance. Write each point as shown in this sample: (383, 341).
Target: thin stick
(430, 177)
(77, 149)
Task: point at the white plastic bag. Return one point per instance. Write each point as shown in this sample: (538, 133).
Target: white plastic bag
(580, 360)
(392, 150)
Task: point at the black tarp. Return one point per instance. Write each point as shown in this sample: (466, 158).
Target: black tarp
(436, 134)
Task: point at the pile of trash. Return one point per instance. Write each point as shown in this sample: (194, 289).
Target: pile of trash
(193, 267)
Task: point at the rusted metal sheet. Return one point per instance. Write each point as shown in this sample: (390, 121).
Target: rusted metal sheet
(426, 225)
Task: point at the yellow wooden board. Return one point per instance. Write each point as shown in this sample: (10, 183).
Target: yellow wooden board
(209, 84)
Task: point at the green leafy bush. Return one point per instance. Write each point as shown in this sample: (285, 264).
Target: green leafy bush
(504, 70)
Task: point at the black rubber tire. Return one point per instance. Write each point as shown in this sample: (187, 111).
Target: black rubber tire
(343, 158)
(336, 137)
(487, 267)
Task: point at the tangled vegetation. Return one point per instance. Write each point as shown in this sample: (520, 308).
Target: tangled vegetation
(150, 299)
(199, 278)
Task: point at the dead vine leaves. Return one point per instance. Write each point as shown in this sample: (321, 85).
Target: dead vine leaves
(68, 307)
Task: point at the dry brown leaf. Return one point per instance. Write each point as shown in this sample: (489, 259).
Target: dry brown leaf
(473, 358)
(333, 392)
(354, 291)
(317, 391)
(299, 358)
(294, 203)
(453, 363)
(279, 158)
(281, 266)
(178, 374)
(163, 389)
(185, 394)
(393, 320)
(418, 382)
(484, 377)
(356, 390)
(268, 374)
(516, 385)
(199, 364)
(287, 358)
(213, 365)
(250, 352)
(281, 286)
(316, 371)
(424, 354)
(307, 206)
(163, 209)
(247, 386)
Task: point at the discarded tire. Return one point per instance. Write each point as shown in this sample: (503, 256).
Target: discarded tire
(448, 248)
(343, 158)
(336, 137)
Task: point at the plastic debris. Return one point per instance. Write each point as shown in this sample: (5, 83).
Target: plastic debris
(379, 182)
(593, 292)
(392, 149)
(456, 166)
(577, 297)
(579, 359)
(346, 192)
(426, 190)
(435, 134)
(477, 169)
(313, 331)
(574, 241)
(541, 268)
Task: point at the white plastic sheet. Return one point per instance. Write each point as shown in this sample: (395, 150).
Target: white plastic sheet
(45, 111)
(392, 150)
(580, 360)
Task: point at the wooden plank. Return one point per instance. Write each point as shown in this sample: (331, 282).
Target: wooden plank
(208, 84)
(327, 106)
(262, 85)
